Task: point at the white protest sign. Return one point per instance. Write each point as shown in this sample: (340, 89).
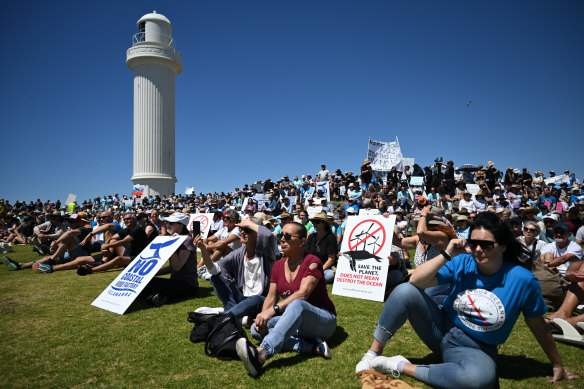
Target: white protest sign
(71, 198)
(557, 179)
(417, 181)
(261, 199)
(189, 191)
(313, 211)
(325, 187)
(368, 211)
(473, 189)
(384, 155)
(206, 219)
(408, 162)
(362, 266)
(120, 294)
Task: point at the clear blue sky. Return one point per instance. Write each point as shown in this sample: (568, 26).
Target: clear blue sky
(276, 87)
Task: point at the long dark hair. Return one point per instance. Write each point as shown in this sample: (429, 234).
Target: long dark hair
(503, 236)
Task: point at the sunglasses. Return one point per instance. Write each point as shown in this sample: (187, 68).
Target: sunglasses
(529, 229)
(560, 232)
(288, 237)
(128, 219)
(315, 222)
(486, 245)
(226, 218)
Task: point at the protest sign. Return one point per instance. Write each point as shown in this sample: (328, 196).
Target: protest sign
(408, 162)
(556, 180)
(205, 219)
(362, 266)
(368, 211)
(417, 181)
(71, 198)
(384, 155)
(118, 296)
(325, 187)
(189, 191)
(313, 210)
(261, 200)
(473, 189)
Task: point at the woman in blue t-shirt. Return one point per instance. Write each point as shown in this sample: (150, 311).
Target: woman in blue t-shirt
(490, 288)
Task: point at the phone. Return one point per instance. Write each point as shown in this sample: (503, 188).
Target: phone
(196, 228)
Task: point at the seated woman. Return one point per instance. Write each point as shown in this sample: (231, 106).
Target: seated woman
(490, 288)
(182, 267)
(297, 313)
(323, 244)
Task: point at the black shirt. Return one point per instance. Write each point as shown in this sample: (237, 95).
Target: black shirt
(323, 248)
(140, 239)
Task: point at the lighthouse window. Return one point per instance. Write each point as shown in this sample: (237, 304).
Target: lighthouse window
(142, 31)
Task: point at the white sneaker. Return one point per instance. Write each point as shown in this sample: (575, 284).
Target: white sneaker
(246, 322)
(207, 276)
(387, 364)
(209, 311)
(364, 363)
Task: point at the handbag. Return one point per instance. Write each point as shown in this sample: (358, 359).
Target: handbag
(225, 332)
(371, 379)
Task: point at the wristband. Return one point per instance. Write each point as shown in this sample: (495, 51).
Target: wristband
(445, 255)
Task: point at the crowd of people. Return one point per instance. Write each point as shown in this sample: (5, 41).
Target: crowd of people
(272, 247)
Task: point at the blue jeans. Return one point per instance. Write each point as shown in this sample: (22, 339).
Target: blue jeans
(301, 322)
(468, 363)
(233, 299)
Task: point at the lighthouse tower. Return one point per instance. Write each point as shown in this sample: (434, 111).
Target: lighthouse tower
(155, 62)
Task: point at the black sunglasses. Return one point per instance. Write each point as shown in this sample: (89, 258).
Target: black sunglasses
(288, 236)
(529, 229)
(486, 245)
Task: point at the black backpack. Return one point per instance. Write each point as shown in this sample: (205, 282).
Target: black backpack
(223, 331)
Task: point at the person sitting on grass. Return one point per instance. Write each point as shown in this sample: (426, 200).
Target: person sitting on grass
(20, 234)
(241, 279)
(490, 287)
(182, 267)
(297, 314)
(67, 247)
(47, 232)
(104, 233)
(122, 249)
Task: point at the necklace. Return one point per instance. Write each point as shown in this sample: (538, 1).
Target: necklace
(293, 267)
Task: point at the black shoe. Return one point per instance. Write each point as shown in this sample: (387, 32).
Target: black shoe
(157, 300)
(84, 270)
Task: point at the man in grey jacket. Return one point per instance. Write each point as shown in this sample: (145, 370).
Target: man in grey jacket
(241, 279)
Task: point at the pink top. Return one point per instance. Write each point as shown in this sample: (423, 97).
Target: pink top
(319, 296)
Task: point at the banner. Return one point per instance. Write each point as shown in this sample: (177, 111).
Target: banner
(384, 155)
(362, 266)
(325, 187)
(118, 296)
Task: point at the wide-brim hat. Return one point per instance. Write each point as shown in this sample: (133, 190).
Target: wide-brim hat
(320, 216)
(285, 215)
(367, 161)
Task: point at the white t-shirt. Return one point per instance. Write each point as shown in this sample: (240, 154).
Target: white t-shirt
(580, 234)
(252, 277)
(469, 205)
(571, 248)
(223, 233)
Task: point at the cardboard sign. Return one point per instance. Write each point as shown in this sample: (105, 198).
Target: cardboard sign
(120, 294)
(417, 181)
(71, 198)
(473, 189)
(369, 211)
(206, 219)
(362, 266)
(325, 187)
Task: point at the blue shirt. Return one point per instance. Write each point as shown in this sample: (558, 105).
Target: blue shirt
(486, 308)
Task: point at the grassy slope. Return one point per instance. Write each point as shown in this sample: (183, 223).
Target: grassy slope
(53, 337)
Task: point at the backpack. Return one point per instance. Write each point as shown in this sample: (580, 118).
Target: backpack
(226, 330)
(201, 329)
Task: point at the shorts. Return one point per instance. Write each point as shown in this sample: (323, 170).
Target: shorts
(70, 255)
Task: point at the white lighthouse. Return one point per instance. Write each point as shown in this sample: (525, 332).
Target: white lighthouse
(155, 62)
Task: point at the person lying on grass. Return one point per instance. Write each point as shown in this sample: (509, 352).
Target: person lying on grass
(490, 287)
(297, 313)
